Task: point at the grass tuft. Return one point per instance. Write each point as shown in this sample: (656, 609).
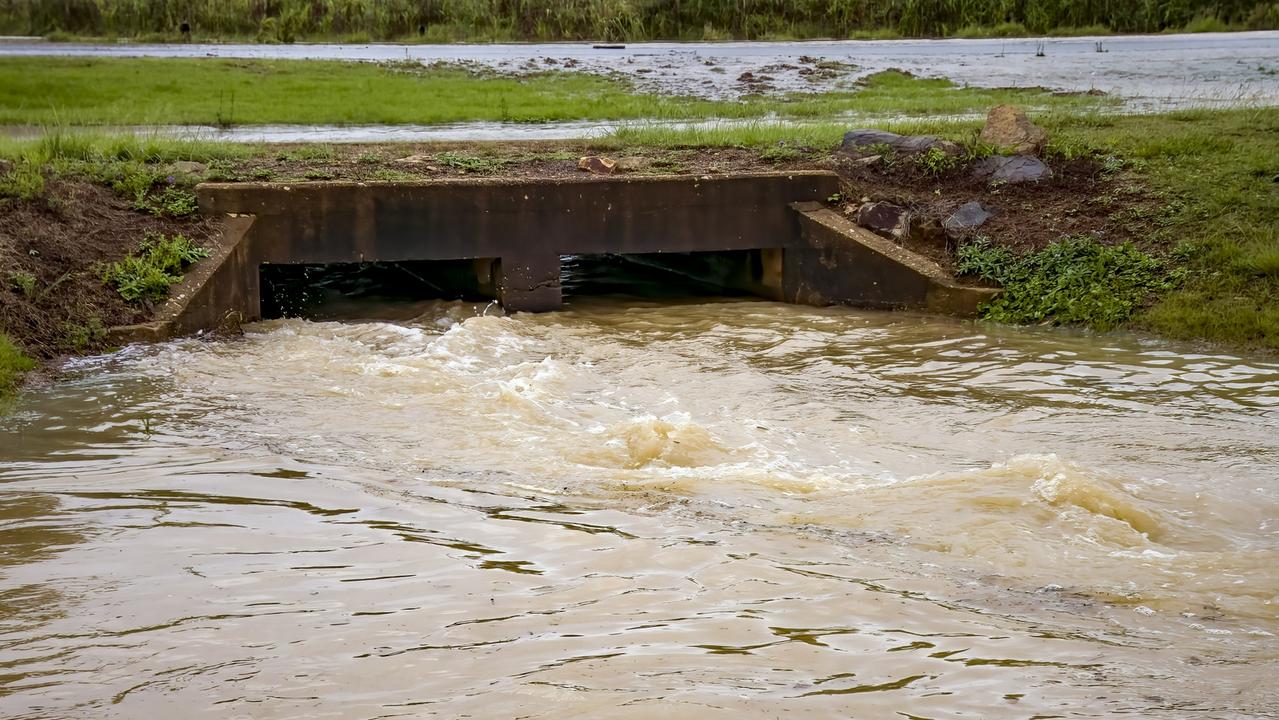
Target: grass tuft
(13, 363)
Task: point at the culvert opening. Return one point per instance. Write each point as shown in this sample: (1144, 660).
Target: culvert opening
(732, 273)
(374, 289)
(353, 289)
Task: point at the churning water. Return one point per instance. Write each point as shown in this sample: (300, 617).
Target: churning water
(697, 510)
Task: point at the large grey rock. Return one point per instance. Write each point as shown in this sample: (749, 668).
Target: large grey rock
(1012, 169)
(858, 142)
(884, 218)
(969, 216)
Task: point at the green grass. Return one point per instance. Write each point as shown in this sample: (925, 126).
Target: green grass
(60, 144)
(823, 135)
(1215, 174)
(13, 363)
(159, 91)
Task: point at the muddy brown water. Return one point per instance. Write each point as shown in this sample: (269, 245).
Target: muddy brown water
(698, 510)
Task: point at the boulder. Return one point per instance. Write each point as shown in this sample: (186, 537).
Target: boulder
(861, 142)
(1008, 129)
(632, 164)
(597, 165)
(186, 167)
(967, 217)
(885, 218)
(1012, 169)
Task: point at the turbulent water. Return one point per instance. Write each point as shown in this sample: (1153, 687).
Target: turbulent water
(697, 510)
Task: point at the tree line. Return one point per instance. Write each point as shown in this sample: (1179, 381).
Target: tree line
(634, 20)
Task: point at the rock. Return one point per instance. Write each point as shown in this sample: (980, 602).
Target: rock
(632, 164)
(597, 164)
(416, 159)
(969, 216)
(186, 167)
(885, 218)
(858, 142)
(1008, 129)
(1012, 169)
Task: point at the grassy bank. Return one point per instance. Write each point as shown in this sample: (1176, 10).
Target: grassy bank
(1213, 177)
(632, 20)
(140, 91)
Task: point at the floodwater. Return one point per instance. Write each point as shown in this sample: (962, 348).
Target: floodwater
(706, 509)
(1149, 71)
(451, 132)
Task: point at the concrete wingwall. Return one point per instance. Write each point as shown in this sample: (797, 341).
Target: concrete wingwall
(517, 230)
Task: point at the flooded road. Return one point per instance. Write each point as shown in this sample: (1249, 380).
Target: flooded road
(698, 510)
(1150, 72)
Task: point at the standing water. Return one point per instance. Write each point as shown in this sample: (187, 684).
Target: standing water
(714, 510)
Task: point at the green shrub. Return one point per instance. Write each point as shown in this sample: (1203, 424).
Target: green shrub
(1076, 280)
(158, 264)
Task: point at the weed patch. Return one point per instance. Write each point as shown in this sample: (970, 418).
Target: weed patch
(470, 163)
(81, 336)
(1074, 280)
(936, 162)
(172, 202)
(23, 282)
(158, 264)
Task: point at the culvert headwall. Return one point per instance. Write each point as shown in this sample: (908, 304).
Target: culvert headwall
(518, 229)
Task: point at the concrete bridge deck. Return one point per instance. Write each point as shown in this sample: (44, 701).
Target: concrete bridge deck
(516, 230)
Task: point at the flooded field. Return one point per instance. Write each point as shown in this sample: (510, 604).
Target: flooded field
(1151, 72)
(700, 510)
